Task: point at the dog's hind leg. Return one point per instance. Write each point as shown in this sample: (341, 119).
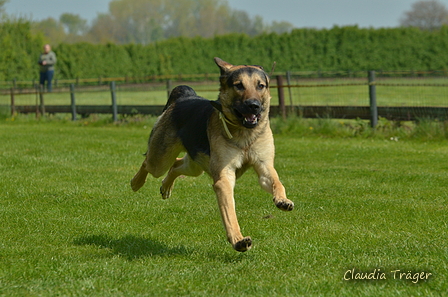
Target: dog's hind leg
(156, 163)
(163, 148)
(182, 166)
(139, 178)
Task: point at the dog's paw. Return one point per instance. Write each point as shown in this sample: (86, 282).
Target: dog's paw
(166, 193)
(135, 185)
(285, 204)
(139, 179)
(243, 245)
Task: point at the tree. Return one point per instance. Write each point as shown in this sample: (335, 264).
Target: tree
(147, 21)
(102, 30)
(2, 3)
(133, 21)
(2, 9)
(191, 18)
(51, 29)
(281, 27)
(426, 15)
(73, 23)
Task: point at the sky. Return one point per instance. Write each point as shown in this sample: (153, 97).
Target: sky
(300, 13)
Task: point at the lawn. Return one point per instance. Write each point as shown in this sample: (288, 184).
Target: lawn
(71, 225)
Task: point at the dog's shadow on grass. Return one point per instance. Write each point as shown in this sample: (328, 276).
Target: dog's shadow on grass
(131, 247)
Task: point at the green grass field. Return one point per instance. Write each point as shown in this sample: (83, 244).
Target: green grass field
(71, 225)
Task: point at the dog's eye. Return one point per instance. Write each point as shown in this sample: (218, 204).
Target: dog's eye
(261, 86)
(239, 86)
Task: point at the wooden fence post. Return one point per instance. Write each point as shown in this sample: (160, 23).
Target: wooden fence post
(36, 87)
(73, 101)
(281, 96)
(168, 87)
(372, 96)
(288, 79)
(41, 100)
(114, 101)
(13, 103)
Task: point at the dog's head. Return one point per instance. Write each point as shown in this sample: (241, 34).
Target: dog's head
(244, 93)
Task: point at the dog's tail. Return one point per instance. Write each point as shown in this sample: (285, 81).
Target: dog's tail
(179, 92)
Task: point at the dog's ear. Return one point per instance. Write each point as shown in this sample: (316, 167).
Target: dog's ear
(217, 105)
(223, 65)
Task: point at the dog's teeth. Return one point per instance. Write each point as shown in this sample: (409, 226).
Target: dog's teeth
(251, 118)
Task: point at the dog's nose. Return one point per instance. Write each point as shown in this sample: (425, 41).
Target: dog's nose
(253, 105)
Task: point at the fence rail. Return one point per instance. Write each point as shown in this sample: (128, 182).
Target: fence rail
(208, 76)
(368, 111)
(335, 112)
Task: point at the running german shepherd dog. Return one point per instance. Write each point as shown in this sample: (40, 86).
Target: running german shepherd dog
(223, 138)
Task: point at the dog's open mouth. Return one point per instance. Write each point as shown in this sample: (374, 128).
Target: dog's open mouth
(248, 120)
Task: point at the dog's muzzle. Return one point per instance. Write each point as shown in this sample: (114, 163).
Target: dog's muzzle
(249, 112)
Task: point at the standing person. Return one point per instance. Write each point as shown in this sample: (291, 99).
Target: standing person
(46, 61)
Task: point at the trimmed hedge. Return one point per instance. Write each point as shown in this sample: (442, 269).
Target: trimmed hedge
(19, 51)
(339, 48)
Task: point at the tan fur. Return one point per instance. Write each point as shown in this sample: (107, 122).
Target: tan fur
(229, 158)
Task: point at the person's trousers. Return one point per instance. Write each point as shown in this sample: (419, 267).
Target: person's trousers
(47, 76)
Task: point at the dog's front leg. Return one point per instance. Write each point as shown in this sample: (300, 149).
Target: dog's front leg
(270, 182)
(224, 184)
